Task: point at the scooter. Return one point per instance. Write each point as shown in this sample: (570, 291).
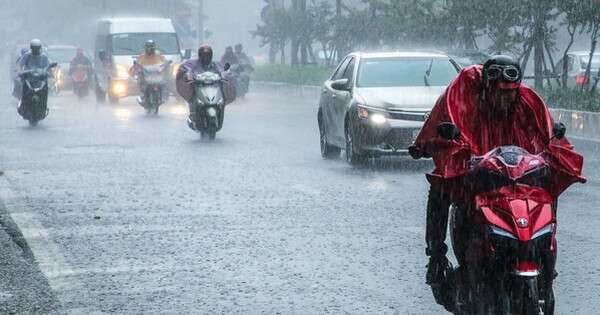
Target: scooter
(504, 235)
(153, 84)
(80, 79)
(208, 104)
(33, 105)
(242, 74)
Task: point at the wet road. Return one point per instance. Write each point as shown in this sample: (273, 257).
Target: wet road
(133, 214)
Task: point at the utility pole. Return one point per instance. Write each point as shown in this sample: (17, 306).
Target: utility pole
(200, 22)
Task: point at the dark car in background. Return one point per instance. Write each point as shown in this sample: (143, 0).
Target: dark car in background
(376, 103)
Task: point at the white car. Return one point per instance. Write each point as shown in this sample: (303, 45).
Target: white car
(376, 103)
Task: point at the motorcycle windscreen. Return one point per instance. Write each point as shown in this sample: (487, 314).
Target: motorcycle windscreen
(210, 94)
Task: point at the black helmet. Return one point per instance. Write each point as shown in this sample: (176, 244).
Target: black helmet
(36, 47)
(205, 55)
(502, 72)
(150, 47)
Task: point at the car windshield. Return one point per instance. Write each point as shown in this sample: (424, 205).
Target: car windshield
(133, 43)
(405, 71)
(595, 62)
(63, 55)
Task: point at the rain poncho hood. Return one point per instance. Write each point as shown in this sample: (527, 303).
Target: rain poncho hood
(530, 127)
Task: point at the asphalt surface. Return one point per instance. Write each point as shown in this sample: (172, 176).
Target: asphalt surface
(131, 214)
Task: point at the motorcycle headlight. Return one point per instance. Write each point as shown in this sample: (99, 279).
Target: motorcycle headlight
(548, 229)
(122, 71)
(501, 232)
(211, 111)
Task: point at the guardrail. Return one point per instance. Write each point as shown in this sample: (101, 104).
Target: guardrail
(580, 124)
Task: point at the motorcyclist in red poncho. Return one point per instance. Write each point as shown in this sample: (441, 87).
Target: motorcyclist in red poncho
(491, 108)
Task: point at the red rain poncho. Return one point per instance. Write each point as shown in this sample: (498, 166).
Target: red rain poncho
(529, 127)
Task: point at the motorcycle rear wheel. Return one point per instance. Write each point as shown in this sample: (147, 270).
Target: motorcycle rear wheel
(33, 123)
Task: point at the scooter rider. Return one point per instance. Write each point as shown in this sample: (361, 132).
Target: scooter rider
(497, 110)
(242, 57)
(80, 60)
(184, 77)
(229, 57)
(33, 59)
(204, 63)
(150, 57)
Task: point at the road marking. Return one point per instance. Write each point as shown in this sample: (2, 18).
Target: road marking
(51, 262)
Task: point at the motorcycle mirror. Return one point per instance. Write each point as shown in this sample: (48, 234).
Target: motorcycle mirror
(559, 130)
(448, 131)
(102, 55)
(227, 66)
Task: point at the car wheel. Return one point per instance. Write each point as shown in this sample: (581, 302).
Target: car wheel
(327, 151)
(352, 157)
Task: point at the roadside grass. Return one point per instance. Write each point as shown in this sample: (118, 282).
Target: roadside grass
(571, 99)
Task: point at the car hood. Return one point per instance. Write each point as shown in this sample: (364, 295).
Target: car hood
(412, 97)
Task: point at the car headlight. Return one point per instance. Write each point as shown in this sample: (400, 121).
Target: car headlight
(174, 69)
(122, 71)
(119, 88)
(375, 117)
(378, 119)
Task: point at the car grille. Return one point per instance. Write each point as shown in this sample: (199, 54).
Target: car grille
(408, 115)
(399, 138)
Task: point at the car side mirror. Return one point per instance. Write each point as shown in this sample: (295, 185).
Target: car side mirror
(340, 85)
(448, 131)
(227, 66)
(187, 54)
(559, 130)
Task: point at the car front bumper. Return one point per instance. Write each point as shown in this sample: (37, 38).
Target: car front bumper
(390, 138)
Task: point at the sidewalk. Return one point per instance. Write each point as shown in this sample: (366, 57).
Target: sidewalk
(23, 287)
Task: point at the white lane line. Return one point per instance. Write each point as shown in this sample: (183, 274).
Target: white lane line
(45, 251)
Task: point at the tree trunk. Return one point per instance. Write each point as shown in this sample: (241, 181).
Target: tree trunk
(538, 53)
(565, 58)
(304, 40)
(588, 69)
(338, 26)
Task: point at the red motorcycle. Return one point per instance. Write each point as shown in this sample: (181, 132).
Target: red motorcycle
(80, 78)
(504, 234)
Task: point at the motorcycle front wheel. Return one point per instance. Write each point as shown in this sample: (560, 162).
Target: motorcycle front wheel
(525, 297)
